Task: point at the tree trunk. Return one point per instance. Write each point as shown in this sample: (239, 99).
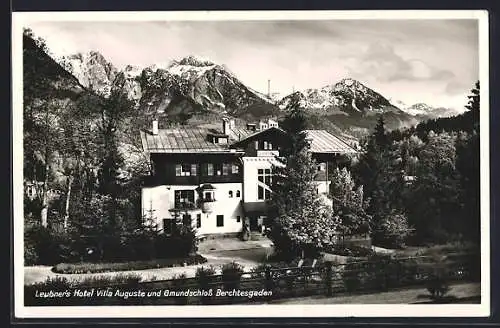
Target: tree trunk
(68, 197)
(45, 201)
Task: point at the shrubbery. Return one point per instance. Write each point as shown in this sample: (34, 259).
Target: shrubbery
(46, 246)
(231, 275)
(379, 272)
(61, 284)
(49, 247)
(205, 276)
(126, 266)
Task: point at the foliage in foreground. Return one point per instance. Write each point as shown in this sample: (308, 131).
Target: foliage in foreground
(127, 266)
(300, 220)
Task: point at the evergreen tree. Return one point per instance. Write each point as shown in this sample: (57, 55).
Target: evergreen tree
(301, 222)
(349, 204)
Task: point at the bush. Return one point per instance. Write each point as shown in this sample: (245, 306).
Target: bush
(61, 284)
(379, 272)
(30, 254)
(392, 230)
(181, 243)
(205, 278)
(354, 251)
(355, 275)
(438, 282)
(46, 246)
(178, 283)
(231, 275)
(69, 268)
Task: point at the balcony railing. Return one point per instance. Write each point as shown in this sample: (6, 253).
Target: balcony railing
(267, 153)
(184, 206)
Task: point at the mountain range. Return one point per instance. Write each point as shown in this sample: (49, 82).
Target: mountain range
(193, 87)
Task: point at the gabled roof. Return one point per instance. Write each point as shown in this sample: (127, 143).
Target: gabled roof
(194, 140)
(321, 141)
(181, 140)
(256, 133)
(324, 142)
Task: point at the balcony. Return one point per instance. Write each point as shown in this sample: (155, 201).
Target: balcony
(267, 153)
(207, 205)
(184, 207)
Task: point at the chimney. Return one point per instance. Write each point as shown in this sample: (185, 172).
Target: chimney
(225, 125)
(155, 126)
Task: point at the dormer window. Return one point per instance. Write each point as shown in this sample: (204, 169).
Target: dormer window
(218, 138)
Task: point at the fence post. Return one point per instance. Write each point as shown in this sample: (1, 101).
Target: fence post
(328, 278)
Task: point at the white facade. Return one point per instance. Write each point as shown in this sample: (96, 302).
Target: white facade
(228, 204)
(251, 166)
(323, 187)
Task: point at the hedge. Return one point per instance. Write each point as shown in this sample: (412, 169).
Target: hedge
(87, 267)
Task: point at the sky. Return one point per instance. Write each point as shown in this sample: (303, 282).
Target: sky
(412, 60)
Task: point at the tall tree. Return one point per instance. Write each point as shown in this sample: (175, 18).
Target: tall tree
(301, 222)
(435, 205)
(348, 203)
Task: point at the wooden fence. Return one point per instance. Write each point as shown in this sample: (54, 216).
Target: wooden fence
(268, 284)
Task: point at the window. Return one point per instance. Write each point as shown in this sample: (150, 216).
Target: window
(257, 144)
(210, 169)
(218, 169)
(322, 167)
(265, 144)
(235, 169)
(209, 196)
(185, 170)
(230, 194)
(198, 220)
(220, 220)
(183, 197)
(168, 225)
(225, 169)
(238, 193)
(194, 169)
(264, 177)
(238, 218)
(260, 193)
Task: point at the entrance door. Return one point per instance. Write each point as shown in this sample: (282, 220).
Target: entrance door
(254, 225)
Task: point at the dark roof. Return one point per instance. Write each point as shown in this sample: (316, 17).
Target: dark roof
(194, 140)
(252, 134)
(181, 140)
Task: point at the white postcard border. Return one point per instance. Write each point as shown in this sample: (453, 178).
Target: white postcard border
(20, 19)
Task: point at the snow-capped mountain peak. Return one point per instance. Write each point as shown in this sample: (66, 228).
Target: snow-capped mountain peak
(196, 61)
(346, 95)
(91, 69)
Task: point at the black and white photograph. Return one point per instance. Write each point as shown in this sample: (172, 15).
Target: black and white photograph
(318, 163)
